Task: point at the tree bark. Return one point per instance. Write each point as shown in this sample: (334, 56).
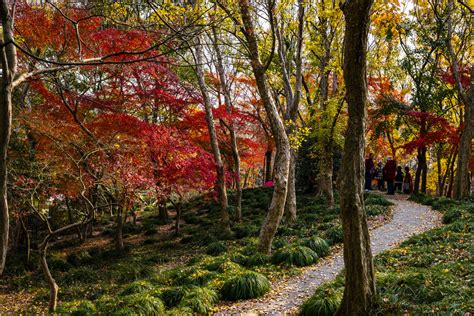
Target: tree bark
(224, 87)
(9, 67)
(282, 157)
(220, 184)
(359, 291)
(290, 206)
(119, 246)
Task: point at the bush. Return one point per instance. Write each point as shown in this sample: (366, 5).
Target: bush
(80, 275)
(451, 216)
(322, 303)
(216, 248)
(245, 230)
(77, 308)
(318, 245)
(137, 287)
(79, 258)
(135, 304)
(199, 300)
(335, 234)
(172, 296)
(375, 210)
(245, 286)
(299, 256)
(158, 259)
(377, 200)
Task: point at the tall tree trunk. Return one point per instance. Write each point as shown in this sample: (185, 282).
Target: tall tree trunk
(119, 246)
(461, 181)
(421, 157)
(268, 166)
(282, 157)
(359, 291)
(290, 206)
(233, 136)
(9, 65)
(162, 211)
(221, 187)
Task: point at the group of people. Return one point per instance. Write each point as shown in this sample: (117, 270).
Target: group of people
(390, 173)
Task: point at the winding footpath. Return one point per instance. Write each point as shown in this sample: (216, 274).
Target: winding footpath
(409, 218)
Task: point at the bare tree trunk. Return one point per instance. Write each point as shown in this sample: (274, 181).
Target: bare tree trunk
(230, 126)
(420, 175)
(291, 195)
(282, 158)
(359, 291)
(119, 246)
(461, 181)
(268, 166)
(221, 188)
(162, 212)
(53, 286)
(9, 65)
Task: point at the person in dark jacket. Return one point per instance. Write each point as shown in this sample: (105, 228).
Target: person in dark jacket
(369, 172)
(389, 173)
(399, 179)
(407, 182)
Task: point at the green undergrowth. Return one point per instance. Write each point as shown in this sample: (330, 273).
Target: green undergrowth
(191, 272)
(428, 274)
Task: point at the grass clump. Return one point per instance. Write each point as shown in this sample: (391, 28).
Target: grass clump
(137, 287)
(299, 256)
(199, 300)
(216, 248)
(245, 286)
(134, 304)
(77, 308)
(335, 234)
(324, 302)
(318, 245)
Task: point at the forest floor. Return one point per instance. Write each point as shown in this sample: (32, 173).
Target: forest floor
(288, 295)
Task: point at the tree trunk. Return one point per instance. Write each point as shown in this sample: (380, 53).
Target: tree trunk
(325, 176)
(162, 212)
(53, 286)
(462, 182)
(290, 207)
(9, 64)
(282, 158)
(268, 166)
(233, 136)
(359, 291)
(119, 246)
(178, 219)
(220, 184)
(421, 157)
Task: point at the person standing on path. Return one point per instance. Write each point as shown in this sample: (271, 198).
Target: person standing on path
(390, 170)
(407, 182)
(399, 179)
(369, 172)
(380, 177)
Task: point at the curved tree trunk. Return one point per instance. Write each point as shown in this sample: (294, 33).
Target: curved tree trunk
(9, 64)
(233, 135)
(282, 158)
(221, 187)
(359, 291)
(290, 207)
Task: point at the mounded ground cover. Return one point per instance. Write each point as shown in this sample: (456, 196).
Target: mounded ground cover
(190, 273)
(430, 273)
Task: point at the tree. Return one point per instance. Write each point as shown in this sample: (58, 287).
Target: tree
(466, 95)
(359, 291)
(282, 158)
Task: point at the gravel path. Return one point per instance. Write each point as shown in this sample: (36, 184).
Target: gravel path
(409, 218)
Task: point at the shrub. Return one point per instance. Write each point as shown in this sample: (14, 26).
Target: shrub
(199, 300)
(375, 210)
(335, 234)
(318, 245)
(77, 308)
(80, 275)
(158, 259)
(245, 230)
(79, 258)
(256, 259)
(443, 203)
(58, 264)
(172, 296)
(135, 304)
(322, 303)
(245, 286)
(299, 256)
(216, 248)
(280, 243)
(377, 200)
(451, 216)
(137, 287)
